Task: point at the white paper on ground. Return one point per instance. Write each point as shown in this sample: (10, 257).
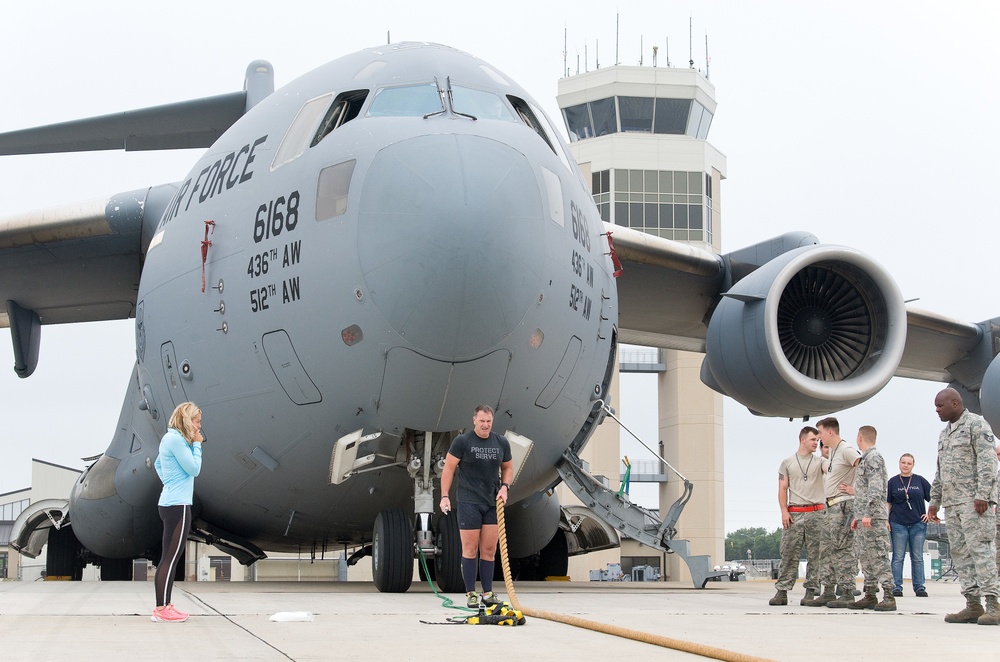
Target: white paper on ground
(292, 616)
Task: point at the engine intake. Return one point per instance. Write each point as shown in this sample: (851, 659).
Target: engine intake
(815, 330)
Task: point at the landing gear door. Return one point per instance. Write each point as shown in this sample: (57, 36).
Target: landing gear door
(172, 374)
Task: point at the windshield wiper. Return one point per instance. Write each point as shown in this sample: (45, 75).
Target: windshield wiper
(441, 97)
(451, 102)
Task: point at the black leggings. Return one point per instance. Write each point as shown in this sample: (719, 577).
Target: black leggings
(176, 525)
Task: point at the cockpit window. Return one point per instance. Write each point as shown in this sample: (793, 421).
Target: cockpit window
(299, 131)
(479, 104)
(407, 101)
(528, 116)
(344, 108)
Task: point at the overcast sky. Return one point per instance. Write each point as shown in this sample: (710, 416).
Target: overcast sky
(872, 125)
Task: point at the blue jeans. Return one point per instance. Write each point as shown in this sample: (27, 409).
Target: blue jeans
(912, 536)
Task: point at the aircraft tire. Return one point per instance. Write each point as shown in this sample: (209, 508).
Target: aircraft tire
(392, 551)
(448, 563)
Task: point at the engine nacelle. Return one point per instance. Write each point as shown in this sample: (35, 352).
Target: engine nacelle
(989, 394)
(815, 330)
(531, 524)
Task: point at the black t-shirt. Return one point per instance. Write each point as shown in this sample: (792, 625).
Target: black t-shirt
(907, 511)
(479, 466)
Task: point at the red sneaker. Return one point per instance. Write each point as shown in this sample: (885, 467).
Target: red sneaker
(168, 615)
(176, 611)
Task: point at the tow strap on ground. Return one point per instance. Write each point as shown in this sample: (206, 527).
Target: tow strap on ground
(656, 640)
(502, 614)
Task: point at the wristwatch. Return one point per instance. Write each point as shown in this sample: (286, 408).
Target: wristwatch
(507, 485)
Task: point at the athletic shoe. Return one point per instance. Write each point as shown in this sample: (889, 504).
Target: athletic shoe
(167, 615)
(490, 599)
(922, 593)
(473, 600)
(176, 611)
(897, 592)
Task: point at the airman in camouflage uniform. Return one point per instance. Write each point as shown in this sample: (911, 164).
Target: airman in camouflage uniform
(839, 565)
(871, 521)
(997, 541)
(800, 497)
(966, 485)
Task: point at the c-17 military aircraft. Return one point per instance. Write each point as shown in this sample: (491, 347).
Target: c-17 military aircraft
(363, 256)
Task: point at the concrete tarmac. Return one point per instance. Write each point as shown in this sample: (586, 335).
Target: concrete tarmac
(110, 621)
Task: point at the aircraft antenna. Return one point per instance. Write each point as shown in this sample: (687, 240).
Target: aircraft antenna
(707, 58)
(565, 65)
(617, 21)
(690, 44)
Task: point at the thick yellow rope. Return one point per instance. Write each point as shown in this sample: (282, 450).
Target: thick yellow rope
(618, 631)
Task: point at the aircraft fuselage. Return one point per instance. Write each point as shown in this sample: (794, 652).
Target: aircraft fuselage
(429, 252)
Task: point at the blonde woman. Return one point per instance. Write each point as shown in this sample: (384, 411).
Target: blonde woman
(177, 464)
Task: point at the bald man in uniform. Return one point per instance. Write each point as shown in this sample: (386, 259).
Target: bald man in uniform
(966, 485)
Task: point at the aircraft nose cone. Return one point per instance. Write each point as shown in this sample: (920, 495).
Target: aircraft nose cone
(449, 240)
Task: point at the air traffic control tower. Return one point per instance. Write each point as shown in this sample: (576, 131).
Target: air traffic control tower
(640, 135)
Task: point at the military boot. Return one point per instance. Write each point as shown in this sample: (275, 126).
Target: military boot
(840, 603)
(828, 595)
(867, 602)
(888, 601)
(780, 598)
(808, 597)
(973, 610)
(992, 614)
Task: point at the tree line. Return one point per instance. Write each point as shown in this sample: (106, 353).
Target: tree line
(760, 543)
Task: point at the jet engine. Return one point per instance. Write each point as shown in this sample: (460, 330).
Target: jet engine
(815, 330)
(989, 394)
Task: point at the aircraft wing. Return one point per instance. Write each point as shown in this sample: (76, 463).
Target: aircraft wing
(82, 262)
(665, 290)
(79, 262)
(936, 346)
(183, 125)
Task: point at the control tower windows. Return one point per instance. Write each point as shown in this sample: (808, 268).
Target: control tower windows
(604, 116)
(578, 122)
(637, 114)
(669, 204)
(672, 116)
(601, 189)
(699, 122)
